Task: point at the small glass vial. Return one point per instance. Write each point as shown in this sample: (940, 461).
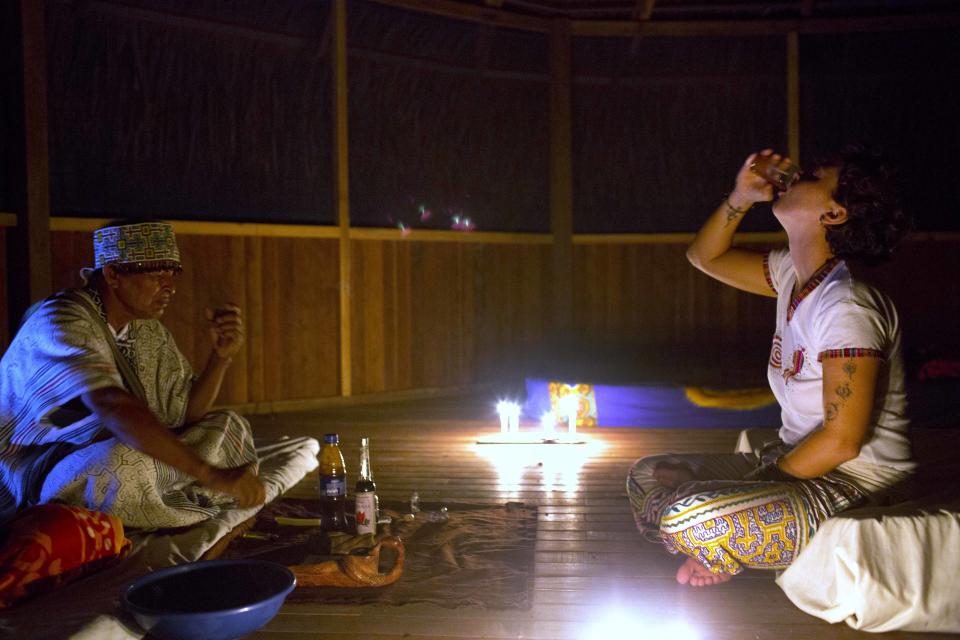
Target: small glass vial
(781, 175)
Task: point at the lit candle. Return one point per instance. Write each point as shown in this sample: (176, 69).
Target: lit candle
(515, 417)
(548, 421)
(504, 415)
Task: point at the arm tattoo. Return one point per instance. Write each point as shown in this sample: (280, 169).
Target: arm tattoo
(850, 367)
(732, 212)
(843, 392)
(832, 409)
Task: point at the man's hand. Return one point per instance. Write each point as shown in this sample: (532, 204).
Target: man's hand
(226, 333)
(239, 482)
(226, 330)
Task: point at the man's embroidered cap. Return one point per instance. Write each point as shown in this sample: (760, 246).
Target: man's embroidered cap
(143, 243)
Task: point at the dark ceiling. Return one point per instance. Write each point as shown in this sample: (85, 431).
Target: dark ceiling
(672, 10)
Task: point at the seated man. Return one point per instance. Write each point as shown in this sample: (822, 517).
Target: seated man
(835, 368)
(98, 407)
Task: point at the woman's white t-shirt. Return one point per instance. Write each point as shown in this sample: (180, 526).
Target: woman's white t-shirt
(834, 315)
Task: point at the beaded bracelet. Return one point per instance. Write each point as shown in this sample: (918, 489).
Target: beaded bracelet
(732, 210)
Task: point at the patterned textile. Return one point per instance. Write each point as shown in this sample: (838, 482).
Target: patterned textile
(586, 402)
(132, 243)
(849, 353)
(52, 447)
(50, 544)
(727, 523)
(144, 492)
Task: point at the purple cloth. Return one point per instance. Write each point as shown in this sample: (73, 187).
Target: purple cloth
(653, 406)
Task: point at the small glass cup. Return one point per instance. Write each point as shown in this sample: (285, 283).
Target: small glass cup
(781, 177)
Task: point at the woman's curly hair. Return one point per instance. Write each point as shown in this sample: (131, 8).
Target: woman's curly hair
(867, 186)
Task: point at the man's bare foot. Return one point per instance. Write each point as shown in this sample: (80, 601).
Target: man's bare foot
(696, 575)
(671, 475)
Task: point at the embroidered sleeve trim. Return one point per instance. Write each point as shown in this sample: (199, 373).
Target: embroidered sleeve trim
(766, 271)
(853, 352)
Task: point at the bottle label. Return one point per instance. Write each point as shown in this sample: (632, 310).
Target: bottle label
(366, 512)
(333, 486)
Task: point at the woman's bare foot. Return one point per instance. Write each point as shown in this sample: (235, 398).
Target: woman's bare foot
(671, 475)
(696, 575)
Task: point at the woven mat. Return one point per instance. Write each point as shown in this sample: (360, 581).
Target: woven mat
(482, 556)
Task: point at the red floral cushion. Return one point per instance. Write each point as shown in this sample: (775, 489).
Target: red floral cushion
(51, 544)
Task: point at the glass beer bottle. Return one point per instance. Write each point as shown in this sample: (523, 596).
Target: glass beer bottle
(333, 484)
(367, 505)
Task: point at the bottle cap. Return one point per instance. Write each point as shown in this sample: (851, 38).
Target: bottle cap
(364, 442)
(331, 438)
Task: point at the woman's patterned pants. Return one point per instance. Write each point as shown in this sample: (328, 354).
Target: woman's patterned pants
(727, 523)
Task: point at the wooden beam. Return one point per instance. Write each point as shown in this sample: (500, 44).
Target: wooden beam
(643, 10)
(341, 168)
(718, 28)
(612, 28)
(207, 25)
(263, 230)
(359, 400)
(209, 228)
(751, 237)
(793, 96)
(679, 28)
(436, 235)
(561, 174)
(31, 246)
(472, 13)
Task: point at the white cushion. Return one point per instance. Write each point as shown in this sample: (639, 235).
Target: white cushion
(880, 569)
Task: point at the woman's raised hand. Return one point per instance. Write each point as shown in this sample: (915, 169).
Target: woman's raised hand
(750, 187)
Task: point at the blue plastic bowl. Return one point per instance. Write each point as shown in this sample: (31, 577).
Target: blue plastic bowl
(211, 600)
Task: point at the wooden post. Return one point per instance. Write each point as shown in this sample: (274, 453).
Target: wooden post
(30, 247)
(561, 176)
(793, 96)
(341, 168)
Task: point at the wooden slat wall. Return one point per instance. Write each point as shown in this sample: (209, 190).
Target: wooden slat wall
(650, 294)
(288, 290)
(444, 314)
(922, 281)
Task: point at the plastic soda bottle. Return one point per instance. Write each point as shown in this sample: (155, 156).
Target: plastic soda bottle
(367, 505)
(333, 484)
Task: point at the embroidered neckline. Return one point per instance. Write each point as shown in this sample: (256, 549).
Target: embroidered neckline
(94, 296)
(818, 276)
(766, 272)
(124, 338)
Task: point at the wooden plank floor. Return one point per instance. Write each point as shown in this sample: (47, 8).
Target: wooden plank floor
(591, 564)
